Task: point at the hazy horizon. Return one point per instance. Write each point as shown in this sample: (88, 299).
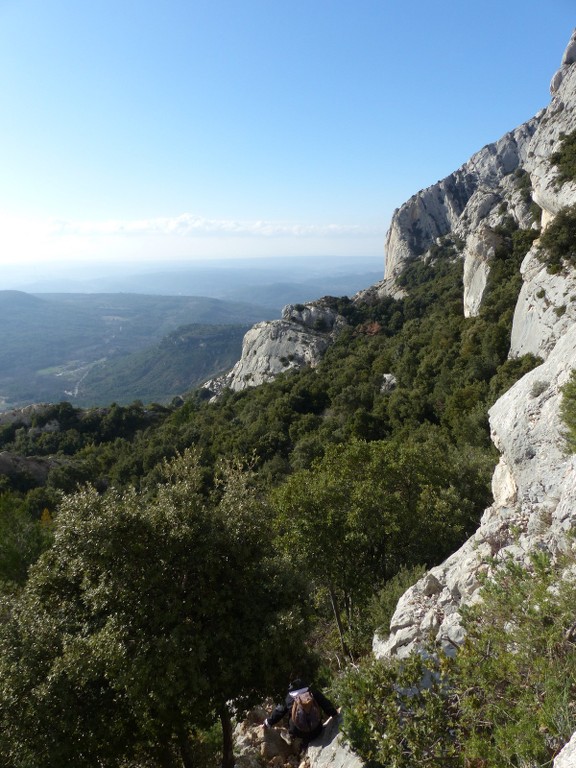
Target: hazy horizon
(232, 279)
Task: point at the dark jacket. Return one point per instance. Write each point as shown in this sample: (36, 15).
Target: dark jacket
(281, 710)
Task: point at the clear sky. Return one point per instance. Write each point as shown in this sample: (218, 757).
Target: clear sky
(183, 129)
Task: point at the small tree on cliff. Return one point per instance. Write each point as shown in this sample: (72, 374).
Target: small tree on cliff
(143, 621)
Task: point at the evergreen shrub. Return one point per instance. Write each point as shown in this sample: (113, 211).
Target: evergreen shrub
(565, 159)
(505, 698)
(557, 247)
(568, 411)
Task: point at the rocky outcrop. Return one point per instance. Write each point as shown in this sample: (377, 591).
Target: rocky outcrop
(477, 197)
(269, 348)
(460, 202)
(329, 751)
(545, 309)
(534, 489)
(479, 250)
(534, 484)
(560, 118)
(272, 747)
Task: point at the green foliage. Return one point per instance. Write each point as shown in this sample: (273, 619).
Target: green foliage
(382, 604)
(565, 158)
(505, 699)
(557, 247)
(367, 509)
(401, 714)
(568, 411)
(146, 618)
(517, 668)
(22, 537)
(505, 281)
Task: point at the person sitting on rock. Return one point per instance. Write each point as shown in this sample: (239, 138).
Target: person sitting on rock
(305, 707)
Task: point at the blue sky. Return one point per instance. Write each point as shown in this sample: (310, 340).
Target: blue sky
(194, 129)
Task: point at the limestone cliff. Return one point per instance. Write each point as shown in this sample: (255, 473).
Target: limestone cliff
(534, 485)
(467, 205)
(300, 338)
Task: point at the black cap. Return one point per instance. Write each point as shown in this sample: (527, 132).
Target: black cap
(295, 685)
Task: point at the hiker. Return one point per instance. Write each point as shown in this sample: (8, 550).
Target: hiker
(305, 706)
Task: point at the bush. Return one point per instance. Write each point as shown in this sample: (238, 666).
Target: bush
(565, 159)
(383, 604)
(568, 411)
(505, 699)
(517, 669)
(557, 247)
(401, 714)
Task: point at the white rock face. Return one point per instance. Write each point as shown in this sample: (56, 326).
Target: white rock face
(567, 758)
(471, 196)
(534, 489)
(547, 304)
(560, 117)
(534, 484)
(545, 310)
(269, 348)
(479, 250)
(329, 751)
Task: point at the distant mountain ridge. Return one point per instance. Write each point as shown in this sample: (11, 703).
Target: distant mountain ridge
(270, 282)
(51, 342)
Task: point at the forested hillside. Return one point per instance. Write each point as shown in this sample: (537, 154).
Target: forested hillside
(101, 348)
(291, 516)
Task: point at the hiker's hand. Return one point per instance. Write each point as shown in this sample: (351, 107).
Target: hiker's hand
(266, 724)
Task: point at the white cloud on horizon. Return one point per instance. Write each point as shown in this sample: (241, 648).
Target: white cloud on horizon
(188, 224)
(187, 236)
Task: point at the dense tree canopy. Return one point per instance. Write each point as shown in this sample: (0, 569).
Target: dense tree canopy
(365, 510)
(146, 617)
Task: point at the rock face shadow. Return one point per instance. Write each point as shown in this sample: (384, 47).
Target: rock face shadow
(328, 735)
(329, 749)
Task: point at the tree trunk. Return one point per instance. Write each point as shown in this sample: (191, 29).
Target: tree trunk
(164, 754)
(186, 751)
(348, 610)
(334, 602)
(227, 743)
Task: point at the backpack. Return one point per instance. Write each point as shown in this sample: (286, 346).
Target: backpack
(306, 713)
